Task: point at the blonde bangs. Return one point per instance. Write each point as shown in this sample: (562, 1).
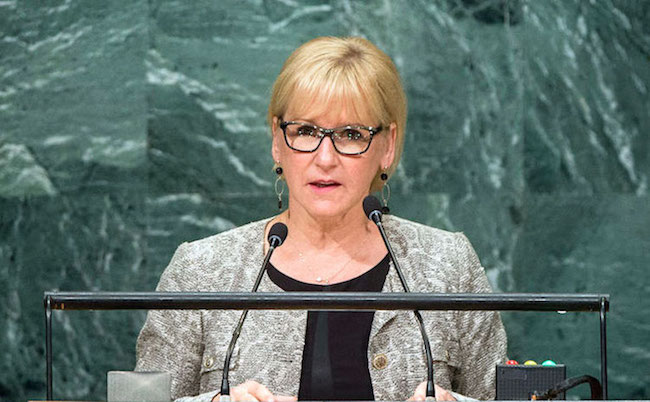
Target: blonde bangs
(322, 92)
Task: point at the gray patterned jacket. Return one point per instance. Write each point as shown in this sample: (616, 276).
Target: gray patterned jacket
(191, 345)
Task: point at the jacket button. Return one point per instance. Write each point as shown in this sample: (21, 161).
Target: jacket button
(380, 361)
(209, 362)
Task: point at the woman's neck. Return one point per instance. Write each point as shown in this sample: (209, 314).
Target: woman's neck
(324, 250)
(322, 233)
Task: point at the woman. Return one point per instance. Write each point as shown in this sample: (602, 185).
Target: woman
(348, 90)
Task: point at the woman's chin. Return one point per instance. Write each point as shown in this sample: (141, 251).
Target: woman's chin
(327, 209)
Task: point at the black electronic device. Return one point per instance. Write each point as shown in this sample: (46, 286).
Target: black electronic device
(519, 382)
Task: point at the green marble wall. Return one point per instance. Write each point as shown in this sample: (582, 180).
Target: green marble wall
(127, 127)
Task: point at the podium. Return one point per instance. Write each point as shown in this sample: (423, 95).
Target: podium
(368, 301)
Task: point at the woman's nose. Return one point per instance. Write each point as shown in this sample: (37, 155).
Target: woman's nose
(326, 153)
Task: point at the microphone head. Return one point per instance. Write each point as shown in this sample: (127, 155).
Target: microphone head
(277, 234)
(372, 208)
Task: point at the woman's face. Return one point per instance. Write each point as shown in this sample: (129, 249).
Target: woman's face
(324, 183)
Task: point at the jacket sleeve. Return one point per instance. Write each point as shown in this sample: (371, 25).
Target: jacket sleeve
(171, 340)
(482, 337)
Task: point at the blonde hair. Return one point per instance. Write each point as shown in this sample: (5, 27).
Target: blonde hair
(353, 69)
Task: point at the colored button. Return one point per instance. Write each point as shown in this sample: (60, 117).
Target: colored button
(512, 362)
(549, 363)
(380, 361)
(530, 363)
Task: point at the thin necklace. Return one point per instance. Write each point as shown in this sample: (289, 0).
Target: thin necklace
(320, 279)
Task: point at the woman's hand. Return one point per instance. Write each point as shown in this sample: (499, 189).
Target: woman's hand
(420, 393)
(252, 391)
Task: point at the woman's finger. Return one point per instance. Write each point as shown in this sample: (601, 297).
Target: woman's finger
(285, 398)
(420, 392)
(443, 395)
(259, 391)
(240, 394)
(252, 391)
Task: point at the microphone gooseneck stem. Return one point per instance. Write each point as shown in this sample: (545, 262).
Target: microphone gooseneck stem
(431, 390)
(225, 385)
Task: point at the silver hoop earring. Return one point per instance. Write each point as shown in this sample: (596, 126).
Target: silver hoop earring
(385, 196)
(279, 190)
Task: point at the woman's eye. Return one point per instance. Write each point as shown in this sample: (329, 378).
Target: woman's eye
(307, 131)
(352, 135)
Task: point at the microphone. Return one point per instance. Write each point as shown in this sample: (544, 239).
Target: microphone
(372, 208)
(277, 235)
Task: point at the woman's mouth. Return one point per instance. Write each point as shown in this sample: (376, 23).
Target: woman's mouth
(323, 185)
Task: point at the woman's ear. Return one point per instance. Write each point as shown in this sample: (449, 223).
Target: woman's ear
(276, 137)
(389, 154)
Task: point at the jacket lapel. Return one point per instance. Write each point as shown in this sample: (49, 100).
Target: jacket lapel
(382, 317)
(392, 283)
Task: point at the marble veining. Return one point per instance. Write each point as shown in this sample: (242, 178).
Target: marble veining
(128, 127)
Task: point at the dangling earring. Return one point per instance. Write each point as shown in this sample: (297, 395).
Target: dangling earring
(279, 185)
(385, 192)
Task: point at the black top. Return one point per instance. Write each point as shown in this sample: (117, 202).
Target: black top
(335, 358)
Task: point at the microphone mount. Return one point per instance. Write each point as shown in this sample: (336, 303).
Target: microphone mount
(372, 208)
(277, 235)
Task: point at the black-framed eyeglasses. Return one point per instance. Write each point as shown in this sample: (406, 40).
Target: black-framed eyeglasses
(347, 140)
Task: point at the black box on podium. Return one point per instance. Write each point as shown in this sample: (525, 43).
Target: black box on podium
(518, 382)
